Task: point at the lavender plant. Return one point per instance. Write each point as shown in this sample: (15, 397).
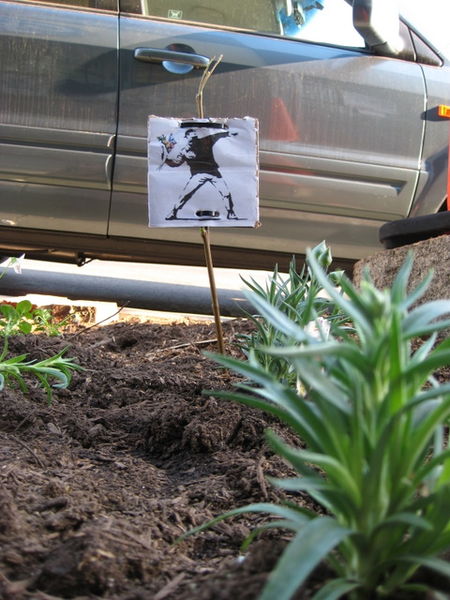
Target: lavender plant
(374, 453)
(53, 372)
(300, 297)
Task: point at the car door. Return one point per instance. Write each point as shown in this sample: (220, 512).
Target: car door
(340, 129)
(58, 113)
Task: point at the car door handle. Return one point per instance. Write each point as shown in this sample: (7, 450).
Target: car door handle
(158, 55)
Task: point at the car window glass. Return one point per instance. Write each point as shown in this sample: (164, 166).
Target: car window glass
(321, 21)
(110, 5)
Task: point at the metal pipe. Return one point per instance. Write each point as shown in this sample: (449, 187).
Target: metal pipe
(148, 295)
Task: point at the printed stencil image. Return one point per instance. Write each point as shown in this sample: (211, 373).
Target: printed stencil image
(203, 172)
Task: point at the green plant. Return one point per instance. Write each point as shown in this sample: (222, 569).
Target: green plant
(56, 368)
(16, 319)
(22, 318)
(44, 321)
(300, 297)
(14, 368)
(376, 456)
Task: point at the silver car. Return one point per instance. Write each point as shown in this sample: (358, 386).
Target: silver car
(346, 97)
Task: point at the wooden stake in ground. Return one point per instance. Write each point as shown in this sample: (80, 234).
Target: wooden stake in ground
(212, 286)
(205, 230)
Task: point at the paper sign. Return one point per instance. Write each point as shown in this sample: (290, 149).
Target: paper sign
(203, 172)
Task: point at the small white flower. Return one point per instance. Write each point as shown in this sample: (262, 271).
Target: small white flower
(319, 329)
(16, 263)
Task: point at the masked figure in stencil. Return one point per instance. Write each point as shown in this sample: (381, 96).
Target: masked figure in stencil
(197, 153)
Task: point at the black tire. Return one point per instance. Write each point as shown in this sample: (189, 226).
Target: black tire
(415, 229)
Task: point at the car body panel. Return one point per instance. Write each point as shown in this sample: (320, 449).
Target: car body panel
(348, 139)
(351, 150)
(434, 164)
(58, 117)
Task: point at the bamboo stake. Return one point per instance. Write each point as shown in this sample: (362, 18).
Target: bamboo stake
(212, 285)
(205, 230)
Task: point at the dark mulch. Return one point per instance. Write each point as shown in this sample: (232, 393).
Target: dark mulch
(96, 488)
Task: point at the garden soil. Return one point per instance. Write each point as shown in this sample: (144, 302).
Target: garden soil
(96, 487)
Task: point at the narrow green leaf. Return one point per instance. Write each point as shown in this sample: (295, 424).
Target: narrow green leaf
(337, 472)
(280, 524)
(253, 285)
(270, 408)
(422, 319)
(277, 318)
(306, 550)
(423, 472)
(252, 372)
(423, 434)
(316, 379)
(417, 292)
(51, 372)
(337, 588)
(348, 307)
(435, 564)
(406, 518)
(433, 361)
(291, 455)
(298, 484)
(15, 360)
(424, 350)
(285, 512)
(317, 434)
(400, 284)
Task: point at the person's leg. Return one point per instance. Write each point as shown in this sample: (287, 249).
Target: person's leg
(191, 187)
(220, 184)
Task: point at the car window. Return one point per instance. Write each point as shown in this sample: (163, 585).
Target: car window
(110, 5)
(320, 21)
(257, 15)
(430, 20)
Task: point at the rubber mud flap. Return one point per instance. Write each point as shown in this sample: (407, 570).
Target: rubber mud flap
(415, 229)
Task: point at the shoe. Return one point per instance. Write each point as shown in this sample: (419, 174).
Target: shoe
(172, 216)
(212, 214)
(232, 215)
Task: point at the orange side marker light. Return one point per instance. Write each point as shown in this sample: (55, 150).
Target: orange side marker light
(444, 111)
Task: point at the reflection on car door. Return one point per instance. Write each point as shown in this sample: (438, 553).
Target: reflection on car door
(340, 131)
(58, 99)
